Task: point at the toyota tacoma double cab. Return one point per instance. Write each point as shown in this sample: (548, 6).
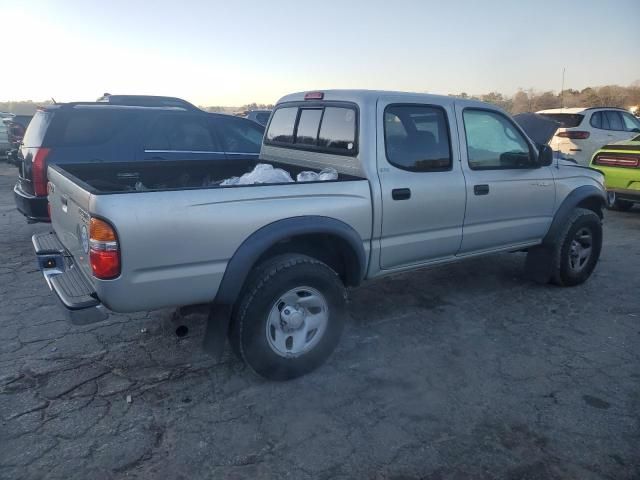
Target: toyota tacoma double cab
(422, 180)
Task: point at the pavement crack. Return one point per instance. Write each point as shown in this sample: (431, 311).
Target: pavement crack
(42, 406)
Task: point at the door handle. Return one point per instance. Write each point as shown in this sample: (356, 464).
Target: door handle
(481, 189)
(401, 193)
(64, 201)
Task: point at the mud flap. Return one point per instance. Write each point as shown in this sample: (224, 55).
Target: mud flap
(539, 264)
(217, 328)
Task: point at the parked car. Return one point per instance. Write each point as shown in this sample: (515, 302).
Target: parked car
(259, 116)
(5, 144)
(585, 130)
(17, 126)
(620, 164)
(422, 180)
(127, 130)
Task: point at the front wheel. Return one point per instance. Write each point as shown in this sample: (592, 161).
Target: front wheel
(578, 249)
(290, 317)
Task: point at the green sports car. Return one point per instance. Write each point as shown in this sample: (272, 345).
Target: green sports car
(620, 164)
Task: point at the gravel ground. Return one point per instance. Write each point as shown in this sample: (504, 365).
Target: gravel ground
(464, 371)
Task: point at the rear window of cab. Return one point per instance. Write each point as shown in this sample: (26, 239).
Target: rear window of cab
(315, 127)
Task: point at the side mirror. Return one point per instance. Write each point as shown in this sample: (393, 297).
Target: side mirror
(545, 155)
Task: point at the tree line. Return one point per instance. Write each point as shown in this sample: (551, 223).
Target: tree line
(522, 101)
(532, 101)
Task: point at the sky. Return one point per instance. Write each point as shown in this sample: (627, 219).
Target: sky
(233, 52)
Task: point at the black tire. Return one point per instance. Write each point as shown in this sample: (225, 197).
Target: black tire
(614, 203)
(622, 205)
(267, 283)
(581, 221)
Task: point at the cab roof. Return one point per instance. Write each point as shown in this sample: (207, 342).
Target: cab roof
(369, 96)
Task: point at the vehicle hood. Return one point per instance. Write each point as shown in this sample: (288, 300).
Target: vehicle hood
(539, 129)
(570, 168)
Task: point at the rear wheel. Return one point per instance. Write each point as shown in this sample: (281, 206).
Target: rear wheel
(578, 249)
(290, 317)
(614, 203)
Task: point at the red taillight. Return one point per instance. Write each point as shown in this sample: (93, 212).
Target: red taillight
(39, 170)
(314, 96)
(104, 251)
(104, 264)
(574, 134)
(607, 160)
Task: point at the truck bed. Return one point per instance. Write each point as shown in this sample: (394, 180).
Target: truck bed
(169, 175)
(176, 237)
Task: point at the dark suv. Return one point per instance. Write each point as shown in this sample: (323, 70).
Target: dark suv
(124, 128)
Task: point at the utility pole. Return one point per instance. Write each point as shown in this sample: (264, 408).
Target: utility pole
(562, 90)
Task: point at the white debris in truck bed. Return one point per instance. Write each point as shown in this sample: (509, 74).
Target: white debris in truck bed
(265, 173)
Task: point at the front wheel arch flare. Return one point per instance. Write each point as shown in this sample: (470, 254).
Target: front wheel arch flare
(586, 196)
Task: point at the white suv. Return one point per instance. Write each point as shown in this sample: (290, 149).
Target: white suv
(582, 131)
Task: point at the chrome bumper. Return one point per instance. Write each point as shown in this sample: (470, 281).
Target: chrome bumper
(80, 302)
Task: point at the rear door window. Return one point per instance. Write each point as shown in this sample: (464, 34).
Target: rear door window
(34, 135)
(417, 138)
(239, 135)
(92, 126)
(615, 120)
(183, 133)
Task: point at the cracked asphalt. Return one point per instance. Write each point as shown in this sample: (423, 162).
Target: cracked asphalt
(464, 371)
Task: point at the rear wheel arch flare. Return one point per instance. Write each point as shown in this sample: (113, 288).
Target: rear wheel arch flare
(274, 238)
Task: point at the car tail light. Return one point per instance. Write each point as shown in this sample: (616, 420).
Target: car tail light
(314, 96)
(104, 252)
(39, 169)
(574, 134)
(607, 160)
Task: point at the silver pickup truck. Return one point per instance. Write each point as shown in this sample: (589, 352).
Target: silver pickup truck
(422, 180)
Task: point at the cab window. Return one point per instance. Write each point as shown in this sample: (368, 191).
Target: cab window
(493, 142)
(323, 128)
(417, 138)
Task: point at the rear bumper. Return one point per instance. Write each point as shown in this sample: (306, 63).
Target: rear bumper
(78, 298)
(626, 194)
(32, 207)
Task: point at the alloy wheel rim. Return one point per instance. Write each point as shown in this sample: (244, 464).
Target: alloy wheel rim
(580, 249)
(297, 321)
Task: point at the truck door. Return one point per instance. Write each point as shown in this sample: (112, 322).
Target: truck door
(423, 188)
(510, 199)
